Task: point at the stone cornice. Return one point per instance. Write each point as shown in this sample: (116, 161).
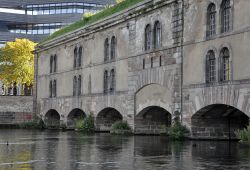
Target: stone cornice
(117, 18)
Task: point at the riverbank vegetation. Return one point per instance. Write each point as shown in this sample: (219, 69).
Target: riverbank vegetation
(244, 135)
(89, 19)
(36, 124)
(121, 128)
(86, 125)
(178, 131)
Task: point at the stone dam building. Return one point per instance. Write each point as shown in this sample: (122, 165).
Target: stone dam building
(147, 64)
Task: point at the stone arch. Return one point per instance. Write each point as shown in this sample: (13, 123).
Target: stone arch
(153, 108)
(153, 95)
(152, 120)
(218, 121)
(52, 119)
(106, 118)
(75, 115)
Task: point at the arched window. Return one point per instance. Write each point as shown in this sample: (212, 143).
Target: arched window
(148, 32)
(225, 15)
(112, 80)
(224, 65)
(113, 48)
(51, 64)
(210, 67)
(79, 86)
(55, 63)
(54, 88)
(211, 20)
(106, 50)
(157, 34)
(50, 89)
(74, 85)
(105, 81)
(75, 57)
(79, 57)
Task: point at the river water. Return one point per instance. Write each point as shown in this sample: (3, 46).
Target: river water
(56, 150)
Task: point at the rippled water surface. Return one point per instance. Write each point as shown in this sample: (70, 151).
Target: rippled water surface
(53, 150)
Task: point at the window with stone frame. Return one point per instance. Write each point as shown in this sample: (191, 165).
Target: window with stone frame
(157, 34)
(160, 61)
(112, 80)
(79, 85)
(152, 62)
(224, 65)
(74, 85)
(210, 67)
(54, 91)
(225, 16)
(79, 59)
(55, 63)
(75, 58)
(50, 89)
(105, 82)
(51, 63)
(211, 20)
(148, 37)
(113, 48)
(143, 63)
(106, 50)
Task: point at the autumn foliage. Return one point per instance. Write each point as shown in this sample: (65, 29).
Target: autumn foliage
(17, 62)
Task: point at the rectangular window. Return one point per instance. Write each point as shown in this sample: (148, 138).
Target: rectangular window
(143, 64)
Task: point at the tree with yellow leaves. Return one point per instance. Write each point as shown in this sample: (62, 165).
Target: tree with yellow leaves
(17, 62)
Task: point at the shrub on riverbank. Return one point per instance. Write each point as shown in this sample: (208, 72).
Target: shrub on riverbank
(178, 131)
(244, 135)
(38, 124)
(86, 125)
(121, 127)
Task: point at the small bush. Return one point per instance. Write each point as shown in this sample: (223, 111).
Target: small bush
(120, 125)
(178, 131)
(39, 124)
(121, 128)
(244, 135)
(86, 125)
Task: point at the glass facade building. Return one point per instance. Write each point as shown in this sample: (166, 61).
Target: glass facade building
(36, 19)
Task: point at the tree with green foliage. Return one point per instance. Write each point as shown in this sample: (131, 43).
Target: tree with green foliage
(17, 62)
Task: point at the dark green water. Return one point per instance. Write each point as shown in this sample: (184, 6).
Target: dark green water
(52, 150)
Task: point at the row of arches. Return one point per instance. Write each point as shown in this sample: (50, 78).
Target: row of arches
(104, 119)
(213, 121)
(149, 121)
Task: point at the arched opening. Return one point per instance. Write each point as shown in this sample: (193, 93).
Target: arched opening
(52, 119)
(106, 118)
(74, 116)
(218, 121)
(152, 120)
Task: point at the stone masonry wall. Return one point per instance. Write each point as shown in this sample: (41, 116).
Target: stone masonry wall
(15, 109)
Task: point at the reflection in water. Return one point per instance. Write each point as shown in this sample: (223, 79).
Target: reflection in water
(54, 150)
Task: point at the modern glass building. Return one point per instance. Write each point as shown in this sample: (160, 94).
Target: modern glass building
(36, 19)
